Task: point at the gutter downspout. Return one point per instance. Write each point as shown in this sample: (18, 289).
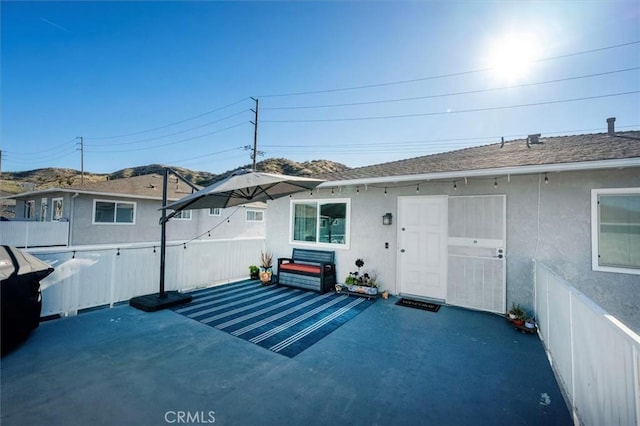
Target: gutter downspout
(71, 212)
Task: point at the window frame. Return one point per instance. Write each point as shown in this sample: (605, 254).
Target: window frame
(319, 202)
(246, 215)
(595, 229)
(44, 209)
(182, 215)
(54, 201)
(115, 216)
(29, 209)
(212, 213)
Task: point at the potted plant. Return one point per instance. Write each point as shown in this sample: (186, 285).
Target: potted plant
(530, 323)
(366, 283)
(266, 267)
(254, 272)
(516, 315)
(514, 312)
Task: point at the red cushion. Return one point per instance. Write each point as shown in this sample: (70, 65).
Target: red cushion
(300, 267)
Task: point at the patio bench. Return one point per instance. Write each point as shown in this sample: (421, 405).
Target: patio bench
(308, 269)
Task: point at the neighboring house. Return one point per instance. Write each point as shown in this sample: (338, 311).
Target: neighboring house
(127, 210)
(467, 224)
(7, 206)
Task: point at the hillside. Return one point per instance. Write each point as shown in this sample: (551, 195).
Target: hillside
(16, 182)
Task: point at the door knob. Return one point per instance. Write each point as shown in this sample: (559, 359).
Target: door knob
(402, 251)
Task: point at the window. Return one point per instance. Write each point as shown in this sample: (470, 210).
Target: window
(44, 209)
(183, 215)
(615, 228)
(255, 215)
(320, 222)
(113, 212)
(29, 209)
(215, 212)
(56, 214)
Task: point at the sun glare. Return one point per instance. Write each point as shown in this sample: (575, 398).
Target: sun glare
(511, 57)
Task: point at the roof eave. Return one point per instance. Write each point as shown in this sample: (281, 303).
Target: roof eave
(492, 172)
(76, 191)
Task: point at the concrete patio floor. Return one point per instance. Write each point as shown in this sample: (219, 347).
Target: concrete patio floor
(390, 365)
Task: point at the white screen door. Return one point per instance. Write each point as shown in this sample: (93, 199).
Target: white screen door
(476, 252)
(422, 240)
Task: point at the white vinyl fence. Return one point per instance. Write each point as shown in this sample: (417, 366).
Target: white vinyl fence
(595, 356)
(25, 234)
(90, 276)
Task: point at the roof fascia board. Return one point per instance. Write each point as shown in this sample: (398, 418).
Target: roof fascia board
(493, 172)
(75, 191)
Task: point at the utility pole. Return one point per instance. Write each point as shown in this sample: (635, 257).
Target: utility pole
(81, 159)
(254, 153)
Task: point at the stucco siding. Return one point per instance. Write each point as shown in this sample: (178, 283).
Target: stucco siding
(549, 222)
(147, 227)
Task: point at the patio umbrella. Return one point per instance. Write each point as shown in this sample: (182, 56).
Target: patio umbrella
(243, 187)
(240, 188)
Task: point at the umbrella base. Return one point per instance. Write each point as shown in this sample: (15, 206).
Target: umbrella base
(154, 302)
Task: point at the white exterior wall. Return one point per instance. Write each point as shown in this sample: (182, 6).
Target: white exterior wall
(147, 227)
(556, 231)
(78, 210)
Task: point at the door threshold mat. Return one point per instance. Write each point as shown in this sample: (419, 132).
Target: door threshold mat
(418, 304)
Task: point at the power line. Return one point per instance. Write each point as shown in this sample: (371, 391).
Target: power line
(382, 117)
(434, 77)
(173, 142)
(40, 151)
(174, 133)
(170, 124)
(237, 148)
(423, 147)
(468, 92)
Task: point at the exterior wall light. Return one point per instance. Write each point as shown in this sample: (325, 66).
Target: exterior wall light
(387, 219)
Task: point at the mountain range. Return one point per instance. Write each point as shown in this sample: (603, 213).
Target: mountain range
(31, 180)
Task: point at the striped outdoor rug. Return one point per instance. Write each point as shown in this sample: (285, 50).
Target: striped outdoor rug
(281, 319)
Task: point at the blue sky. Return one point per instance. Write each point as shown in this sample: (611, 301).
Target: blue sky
(354, 82)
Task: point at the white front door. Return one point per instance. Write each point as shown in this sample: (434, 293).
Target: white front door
(422, 244)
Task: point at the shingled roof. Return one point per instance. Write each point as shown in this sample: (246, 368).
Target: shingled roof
(143, 186)
(513, 154)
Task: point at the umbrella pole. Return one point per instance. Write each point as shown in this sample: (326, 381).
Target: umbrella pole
(163, 299)
(163, 231)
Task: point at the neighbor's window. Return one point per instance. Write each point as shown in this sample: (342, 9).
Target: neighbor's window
(58, 209)
(44, 209)
(29, 209)
(183, 214)
(105, 211)
(255, 215)
(215, 212)
(320, 222)
(616, 230)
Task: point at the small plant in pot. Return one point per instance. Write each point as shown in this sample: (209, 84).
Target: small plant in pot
(530, 323)
(365, 283)
(266, 267)
(515, 312)
(517, 315)
(254, 272)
